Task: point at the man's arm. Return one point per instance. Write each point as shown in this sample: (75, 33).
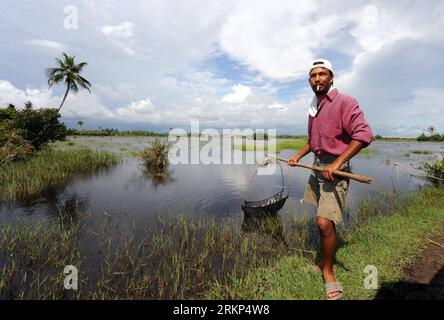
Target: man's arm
(353, 148)
(302, 153)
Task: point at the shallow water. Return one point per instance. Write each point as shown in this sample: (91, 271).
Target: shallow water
(127, 193)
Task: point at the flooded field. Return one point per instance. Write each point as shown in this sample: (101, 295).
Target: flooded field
(189, 203)
(126, 191)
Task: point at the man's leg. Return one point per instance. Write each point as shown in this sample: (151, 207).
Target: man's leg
(327, 232)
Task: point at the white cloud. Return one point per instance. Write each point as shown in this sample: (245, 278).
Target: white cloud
(122, 36)
(240, 94)
(136, 108)
(47, 44)
(149, 57)
(119, 91)
(276, 39)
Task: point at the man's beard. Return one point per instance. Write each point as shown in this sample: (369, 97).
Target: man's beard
(322, 92)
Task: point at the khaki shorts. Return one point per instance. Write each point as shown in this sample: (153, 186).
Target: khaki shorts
(328, 196)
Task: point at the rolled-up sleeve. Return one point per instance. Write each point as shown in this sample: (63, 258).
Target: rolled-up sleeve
(355, 125)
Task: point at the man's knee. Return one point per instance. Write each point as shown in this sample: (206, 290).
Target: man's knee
(325, 226)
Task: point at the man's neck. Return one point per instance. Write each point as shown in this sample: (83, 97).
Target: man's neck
(320, 98)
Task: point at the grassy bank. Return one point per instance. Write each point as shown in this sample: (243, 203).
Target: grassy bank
(388, 242)
(49, 168)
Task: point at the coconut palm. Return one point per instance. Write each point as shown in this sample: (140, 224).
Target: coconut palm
(69, 72)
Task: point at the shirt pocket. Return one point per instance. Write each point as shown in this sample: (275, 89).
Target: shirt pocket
(331, 129)
(329, 135)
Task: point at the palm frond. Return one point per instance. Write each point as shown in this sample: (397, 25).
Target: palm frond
(78, 67)
(73, 87)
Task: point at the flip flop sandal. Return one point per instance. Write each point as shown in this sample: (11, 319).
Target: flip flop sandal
(334, 287)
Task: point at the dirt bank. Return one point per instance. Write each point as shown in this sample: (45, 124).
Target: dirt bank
(424, 279)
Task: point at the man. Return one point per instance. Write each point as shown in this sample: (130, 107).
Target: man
(337, 131)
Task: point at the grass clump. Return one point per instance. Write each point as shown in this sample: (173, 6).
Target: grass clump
(49, 168)
(434, 169)
(155, 157)
(422, 152)
(32, 260)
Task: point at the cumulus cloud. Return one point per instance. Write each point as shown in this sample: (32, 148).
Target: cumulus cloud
(240, 94)
(148, 64)
(122, 36)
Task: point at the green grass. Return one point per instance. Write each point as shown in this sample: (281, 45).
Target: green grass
(290, 144)
(368, 152)
(422, 152)
(49, 168)
(389, 242)
(34, 257)
(286, 144)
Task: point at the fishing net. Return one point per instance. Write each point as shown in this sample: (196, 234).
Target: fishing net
(266, 194)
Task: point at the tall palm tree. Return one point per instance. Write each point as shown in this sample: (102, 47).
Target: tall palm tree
(69, 72)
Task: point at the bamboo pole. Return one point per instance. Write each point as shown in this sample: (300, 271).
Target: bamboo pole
(357, 177)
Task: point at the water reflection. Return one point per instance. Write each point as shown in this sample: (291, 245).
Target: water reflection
(158, 177)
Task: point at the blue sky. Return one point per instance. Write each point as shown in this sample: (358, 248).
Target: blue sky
(229, 64)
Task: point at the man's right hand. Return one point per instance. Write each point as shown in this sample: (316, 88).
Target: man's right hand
(293, 161)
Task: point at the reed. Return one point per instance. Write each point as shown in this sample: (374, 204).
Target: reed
(33, 257)
(49, 168)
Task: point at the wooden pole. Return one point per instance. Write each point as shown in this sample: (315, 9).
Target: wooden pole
(338, 173)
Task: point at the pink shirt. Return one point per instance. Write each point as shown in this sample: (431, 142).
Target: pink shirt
(338, 121)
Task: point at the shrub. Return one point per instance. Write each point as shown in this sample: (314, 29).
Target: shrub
(13, 146)
(38, 127)
(155, 158)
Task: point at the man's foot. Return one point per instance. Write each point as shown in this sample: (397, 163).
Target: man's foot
(329, 278)
(334, 290)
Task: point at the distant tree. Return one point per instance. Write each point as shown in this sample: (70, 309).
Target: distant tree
(431, 130)
(69, 72)
(80, 123)
(422, 137)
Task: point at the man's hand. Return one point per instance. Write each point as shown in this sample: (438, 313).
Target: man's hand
(298, 156)
(328, 170)
(293, 161)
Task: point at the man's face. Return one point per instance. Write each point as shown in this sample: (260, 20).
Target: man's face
(320, 80)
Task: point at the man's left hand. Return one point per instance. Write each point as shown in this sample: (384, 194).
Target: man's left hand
(328, 170)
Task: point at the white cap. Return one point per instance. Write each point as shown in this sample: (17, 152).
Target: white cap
(321, 63)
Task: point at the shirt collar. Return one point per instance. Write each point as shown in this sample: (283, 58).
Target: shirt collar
(313, 106)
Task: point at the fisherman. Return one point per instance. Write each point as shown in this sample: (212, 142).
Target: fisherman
(337, 131)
